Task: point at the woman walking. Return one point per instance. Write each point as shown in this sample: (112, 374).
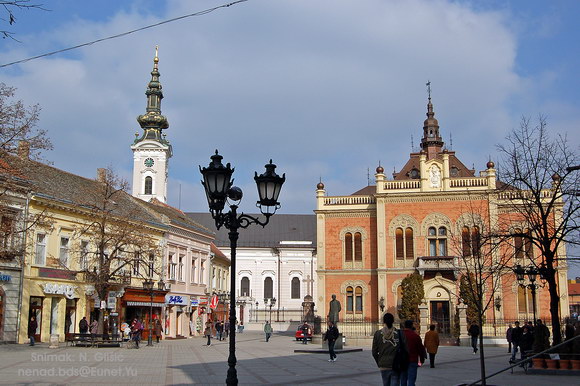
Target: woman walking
(207, 332)
(431, 344)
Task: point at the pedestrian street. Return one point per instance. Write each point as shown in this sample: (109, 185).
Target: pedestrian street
(189, 361)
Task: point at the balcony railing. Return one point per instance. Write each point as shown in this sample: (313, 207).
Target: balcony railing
(437, 263)
(349, 200)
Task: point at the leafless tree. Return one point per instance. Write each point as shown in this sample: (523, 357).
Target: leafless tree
(9, 7)
(542, 190)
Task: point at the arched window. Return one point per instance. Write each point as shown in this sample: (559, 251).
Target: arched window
(348, 247)
(148, 185)
(471, 241)
(295, 288)
(245, 287)
(437, 241)
(475, 240)
(349, 300)
(358, 300)
(525, 300)
(404, 244)
(466, 241)
(357, 247)
(268, 288)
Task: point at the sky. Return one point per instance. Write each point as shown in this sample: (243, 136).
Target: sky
(328, 89)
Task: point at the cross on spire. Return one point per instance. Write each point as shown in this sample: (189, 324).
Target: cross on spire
(428, 84)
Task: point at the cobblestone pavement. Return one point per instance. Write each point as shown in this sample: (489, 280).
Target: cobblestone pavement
(188, 361)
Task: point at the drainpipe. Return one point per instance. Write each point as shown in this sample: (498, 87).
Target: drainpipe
(25, 238)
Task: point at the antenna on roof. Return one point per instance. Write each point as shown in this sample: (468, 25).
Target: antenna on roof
(450, 141)
(368, 177)
(412, 142)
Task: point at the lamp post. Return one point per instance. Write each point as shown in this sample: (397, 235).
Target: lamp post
(531, 272)
(270, 303)
(148, 285)
(257, 304)
(217, 181)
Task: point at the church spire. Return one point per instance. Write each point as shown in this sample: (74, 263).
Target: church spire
(152, 122)
(431, 142)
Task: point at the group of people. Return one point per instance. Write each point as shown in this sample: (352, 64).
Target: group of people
(399, 353)
(222, 330)
(527, 339)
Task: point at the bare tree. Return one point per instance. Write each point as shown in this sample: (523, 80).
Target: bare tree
(115, 243)
(8, 7)
(542, 189)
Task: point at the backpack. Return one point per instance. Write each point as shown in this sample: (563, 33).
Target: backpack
(401, 360)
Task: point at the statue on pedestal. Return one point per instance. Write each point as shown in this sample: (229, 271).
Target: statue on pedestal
(333, 310)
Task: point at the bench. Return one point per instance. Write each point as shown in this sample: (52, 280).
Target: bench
(75, 338)
(94, 340)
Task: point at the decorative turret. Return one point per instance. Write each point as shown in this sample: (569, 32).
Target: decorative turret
(431, 142)
(152, 122)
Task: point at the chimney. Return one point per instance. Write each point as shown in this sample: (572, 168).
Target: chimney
(101, 174)
(24, 149)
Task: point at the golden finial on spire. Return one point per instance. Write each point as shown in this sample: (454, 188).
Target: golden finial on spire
(156, 58)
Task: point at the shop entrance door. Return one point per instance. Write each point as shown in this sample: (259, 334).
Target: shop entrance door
(440, 317)
(36, 311)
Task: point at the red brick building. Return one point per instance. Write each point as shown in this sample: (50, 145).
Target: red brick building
(370, 240)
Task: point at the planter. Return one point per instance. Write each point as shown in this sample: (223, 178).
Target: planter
(575, 363)
(564, 364)
(538, 363)
(552, 364)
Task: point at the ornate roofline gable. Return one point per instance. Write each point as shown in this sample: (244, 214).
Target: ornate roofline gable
(403, 221)
(353, 230)
(435, 219)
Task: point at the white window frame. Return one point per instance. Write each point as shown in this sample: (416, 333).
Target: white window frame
(43, 245)
(64, 251)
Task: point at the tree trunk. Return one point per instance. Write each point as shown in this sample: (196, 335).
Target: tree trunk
(554, 308)
(481, 355)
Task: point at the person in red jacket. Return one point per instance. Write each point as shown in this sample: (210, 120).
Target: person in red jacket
(416, 353)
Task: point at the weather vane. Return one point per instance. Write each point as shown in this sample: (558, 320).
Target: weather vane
(429, 88)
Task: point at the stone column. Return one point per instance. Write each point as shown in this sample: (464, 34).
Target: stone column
(424, 317)
(462, 309)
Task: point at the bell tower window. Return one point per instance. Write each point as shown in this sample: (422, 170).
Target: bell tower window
(148, 185)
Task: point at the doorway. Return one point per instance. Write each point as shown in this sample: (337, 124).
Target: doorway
(440, 317)
(36, 311)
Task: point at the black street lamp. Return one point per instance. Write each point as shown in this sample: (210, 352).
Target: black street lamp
(257, 311)
(531, 272)
(148, 285)
(270, 303)
(217, 181)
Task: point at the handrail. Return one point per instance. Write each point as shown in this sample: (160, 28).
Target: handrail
(525, 360)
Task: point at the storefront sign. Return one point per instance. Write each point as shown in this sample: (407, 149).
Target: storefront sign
(5, 277)
(176, 299)
(112, 300)
(60, 289)
(214, 302)
(56, 273)
(203, 301)
(194, 302)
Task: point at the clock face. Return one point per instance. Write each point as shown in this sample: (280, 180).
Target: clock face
(149, 162)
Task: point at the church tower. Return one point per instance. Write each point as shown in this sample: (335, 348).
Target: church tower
(151, 151)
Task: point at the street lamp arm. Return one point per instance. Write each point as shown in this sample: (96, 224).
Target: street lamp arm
(232, 221)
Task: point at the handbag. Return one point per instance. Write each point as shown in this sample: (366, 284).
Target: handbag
(401, 360)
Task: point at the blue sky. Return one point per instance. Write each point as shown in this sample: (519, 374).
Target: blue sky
(326, 88)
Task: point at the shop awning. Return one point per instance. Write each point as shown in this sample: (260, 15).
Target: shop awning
(144, 304)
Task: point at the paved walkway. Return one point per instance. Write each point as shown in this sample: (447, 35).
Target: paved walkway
(182, 362)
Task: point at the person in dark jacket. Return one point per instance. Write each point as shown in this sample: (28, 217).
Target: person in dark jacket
(541, 337)
(32, 326)
(84, 325)
(416, 353)
(508, 337)
(516, 337)
(305, 329)
(474, 333)
(219, 329)
(526, 342)
(386, 342)
(331, 336)
(157, 326)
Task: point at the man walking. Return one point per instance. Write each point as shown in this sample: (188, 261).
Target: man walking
(32, 326)
(508, 337)
(83, 325)
(386, 342)
(305, 329)
(432, 344)
(219, 328)
(416, 353)
(268, 330)
(516, 339)
(331, 336)
(541, 335)
(474, 333)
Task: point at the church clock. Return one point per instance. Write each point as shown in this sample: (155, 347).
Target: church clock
(149, 162)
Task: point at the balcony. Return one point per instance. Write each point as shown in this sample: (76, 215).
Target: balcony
(448, 266)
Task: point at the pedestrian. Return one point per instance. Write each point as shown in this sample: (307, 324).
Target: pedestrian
(83, 325)
(136, 329)
(431, 344)
(268, 330)
(227, 329)
(530, 326)
(157, 329)
(516, 338)
(32, 326)
(526, 342)
(191, 327)
(508, 337)
(207, 332)
(541, 337)
(331, 336)
(387, 343)
(94, 327)
(416, 352)
(305, 330)
(218, 330)
(474, 333)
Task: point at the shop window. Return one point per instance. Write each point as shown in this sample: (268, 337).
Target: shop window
(40, 252)
(349, 300)
(437, 239)
(245, 287)
(148, 185)
(358, 300)
(295, 288)
(268, 288)
(404, 244)
(64, 251)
